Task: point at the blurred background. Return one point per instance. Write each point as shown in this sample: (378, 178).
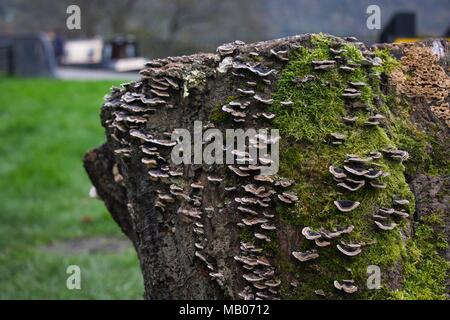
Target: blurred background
(52, 81)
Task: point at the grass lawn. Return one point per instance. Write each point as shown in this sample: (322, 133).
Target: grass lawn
(45, 128)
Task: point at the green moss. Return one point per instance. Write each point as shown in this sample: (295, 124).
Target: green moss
(389, 62)
(246, 235)
(217, 116)
(427, 155)
(306, 156)
(425, 270)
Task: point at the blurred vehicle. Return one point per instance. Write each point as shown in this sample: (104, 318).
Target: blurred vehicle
(119, 54)
(402, 28)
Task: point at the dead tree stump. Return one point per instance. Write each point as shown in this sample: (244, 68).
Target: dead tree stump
(355, 132)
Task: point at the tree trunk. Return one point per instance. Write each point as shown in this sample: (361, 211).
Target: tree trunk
(186, 221)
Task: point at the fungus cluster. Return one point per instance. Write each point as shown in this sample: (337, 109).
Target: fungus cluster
(252, 195)
(257, 192)
(389, 218)
(322, 238)
(421, 76)
(131, 108)
(253, 200)
(356, 173)
(347, 286)
(258, 272)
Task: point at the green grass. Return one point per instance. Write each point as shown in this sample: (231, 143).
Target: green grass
(46, 126)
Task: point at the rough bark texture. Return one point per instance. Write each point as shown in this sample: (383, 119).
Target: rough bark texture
(187, 239)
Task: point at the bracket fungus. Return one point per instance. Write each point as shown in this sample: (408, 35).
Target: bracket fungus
(401, 202)
(310, 234)
(357, 171)
(351, 186)
(387, 226)
(349, 120)
(349, 250)
(395, 154)
(321, 242)
(337, 138)
(345, 285)
(305, 256)
(346, 205)
(337, 173)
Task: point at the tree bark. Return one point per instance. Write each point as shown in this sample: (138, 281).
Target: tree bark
(188, 239)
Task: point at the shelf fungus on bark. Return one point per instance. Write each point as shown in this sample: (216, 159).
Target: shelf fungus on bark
(238, 172)
(247, 210)
(373, 174)
(395, 154)
(287, 103)
(400, 214)
(401, 202)
(351, 93)
(268, 115)
(287, 197)
(264, 178)
(125, 152)
(305, 256)
(261, 236)
(374, 120)
(323, 64)
(281, 55)
(157, 174)
(321, 242)
(141, 135)
(214, 179)
(358, 84)
(247, 92)
(349, 250)
(337, 173)
(345, 285)
(191, 213)
(163, 142)
(219, 277)
(337, 138)
(357, 171)
(273, 283)
(197, 185)
(254, 221)
(356, 159)
(377, 185)
(347, 68)
(309, 234)
(250, 277)
(320, 293)
(346, 205)
(257, 97)
(285, 183)
(351, 186)
(386, 226)
(256, 70)
(226, 49)
(269, 227)
(335, 232)
(349, 120)
(375, 155)
(246, 260)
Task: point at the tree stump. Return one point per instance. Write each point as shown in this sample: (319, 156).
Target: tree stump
(363, 132)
